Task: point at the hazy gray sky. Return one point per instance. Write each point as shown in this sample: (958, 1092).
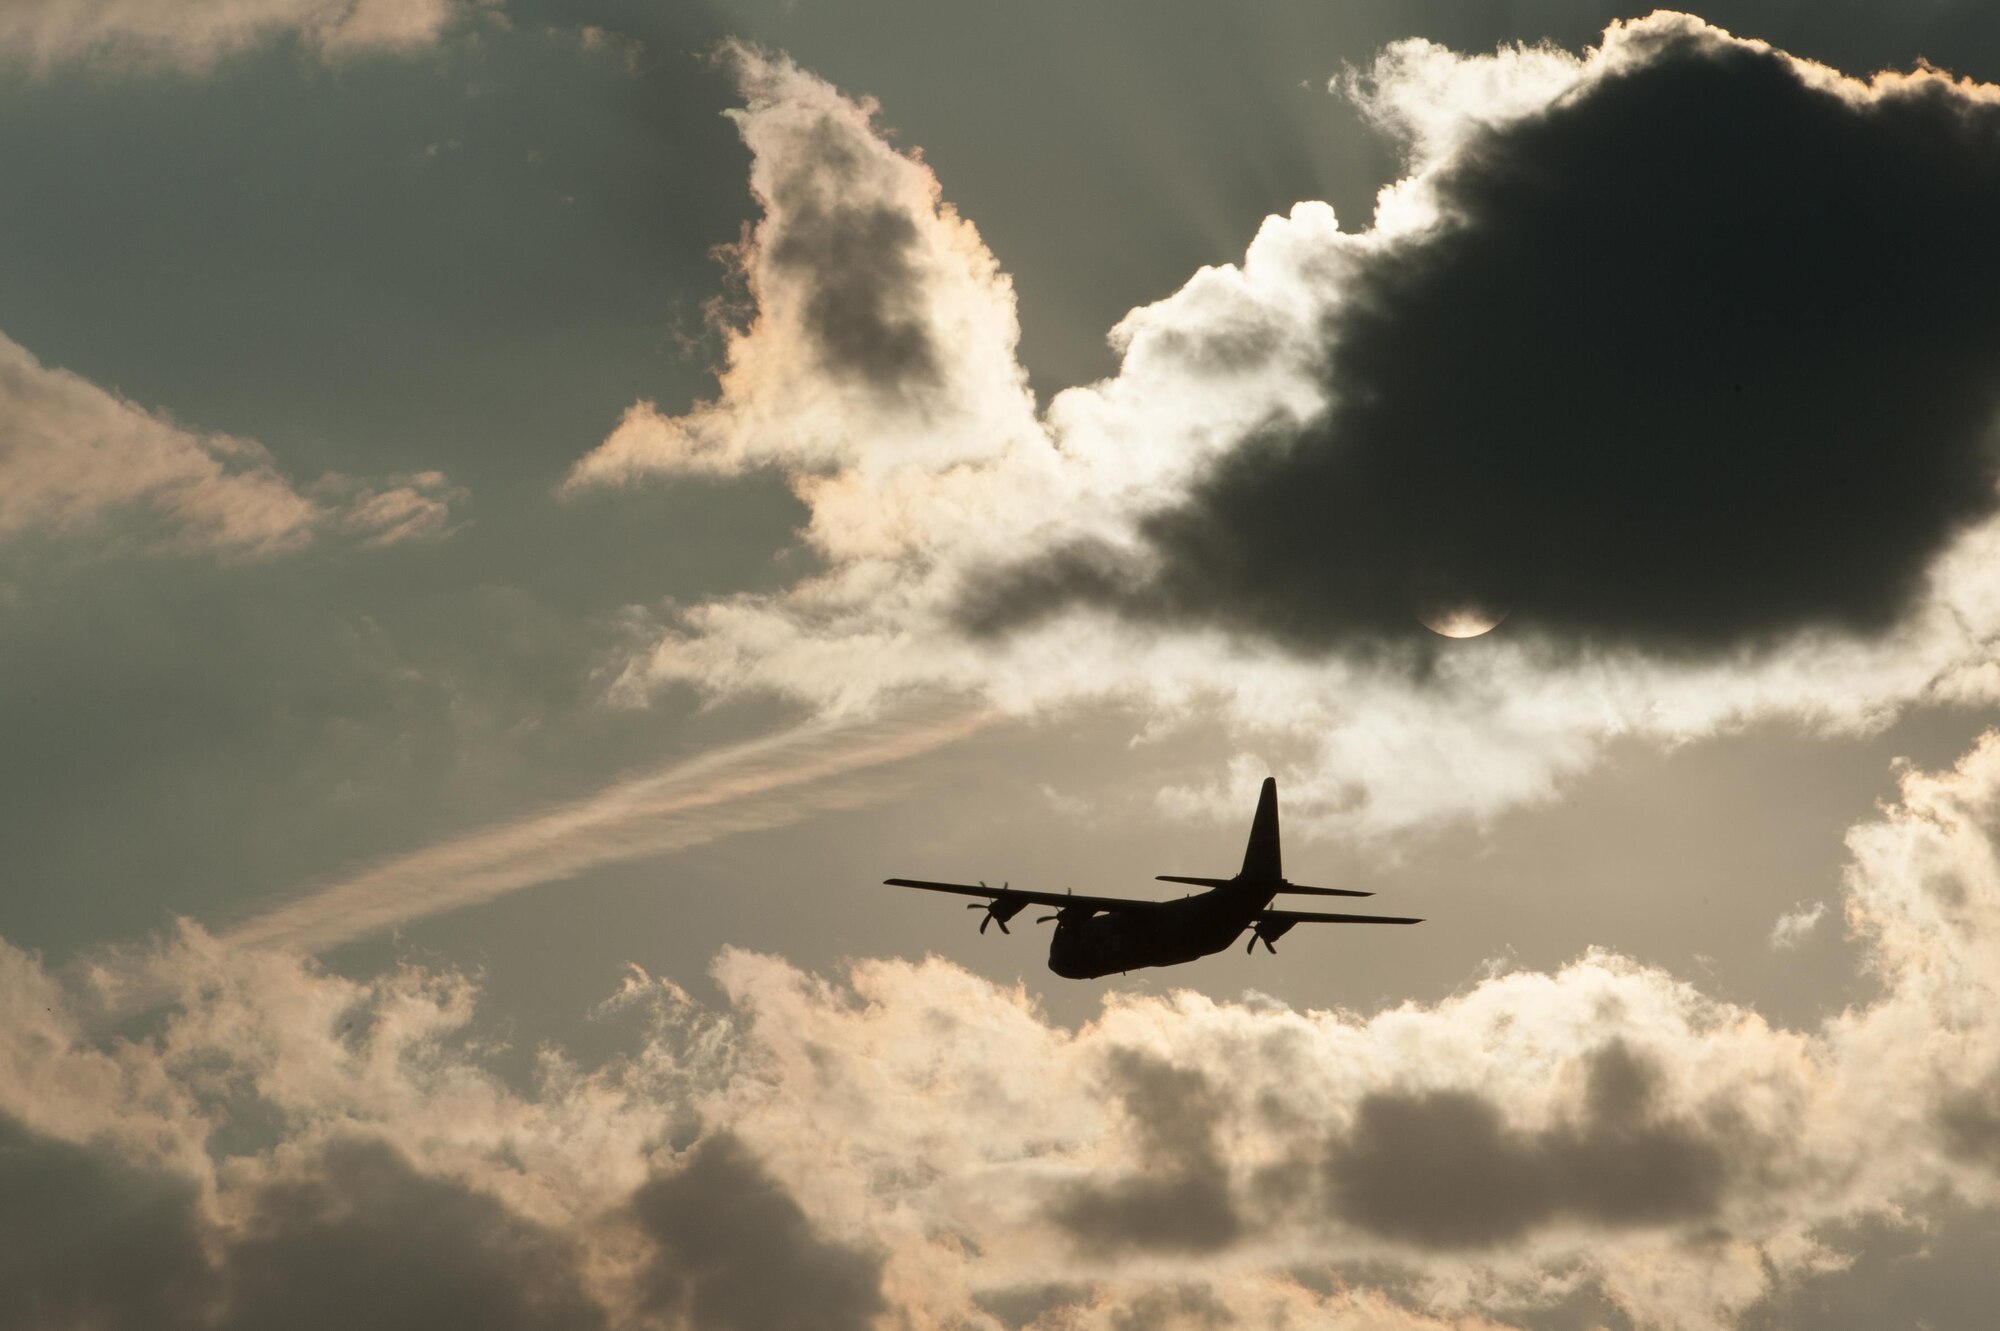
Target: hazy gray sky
(515, 517)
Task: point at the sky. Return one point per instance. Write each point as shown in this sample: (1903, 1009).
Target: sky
(516, 515)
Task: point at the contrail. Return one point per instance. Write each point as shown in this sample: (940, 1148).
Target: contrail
(766, 782)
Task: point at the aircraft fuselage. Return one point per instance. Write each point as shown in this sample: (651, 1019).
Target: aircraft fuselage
(1087, 946)
(1100, 935)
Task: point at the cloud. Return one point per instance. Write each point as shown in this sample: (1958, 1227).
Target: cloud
(1443, 1169)
(75, 452)
(75, 459)
(357, 1237)
(858, 262)
(1795, 926)
(193, 34)
(767, 782)
(1655, 377)
(1178, 1200)
(1969, 1120)
(416, 507)
(95, 1241)
(299, 1150)
(735, 1252)
(361, 1238)
(1884, 1273)
(1191, 1306)
(1521, 383)
(882, 333)
(911, 1143)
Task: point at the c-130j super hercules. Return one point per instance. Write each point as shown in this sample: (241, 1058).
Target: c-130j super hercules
(1099, 935)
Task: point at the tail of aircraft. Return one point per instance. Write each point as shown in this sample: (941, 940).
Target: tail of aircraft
(1261, 861)
(1263, 866)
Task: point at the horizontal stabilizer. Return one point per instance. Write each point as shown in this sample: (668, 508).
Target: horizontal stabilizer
(1198, 882)
(1324, 891)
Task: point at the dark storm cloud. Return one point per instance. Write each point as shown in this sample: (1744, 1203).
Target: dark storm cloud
(91, 1242)
(857, 259)
(364, 1241)
(1442, 1169)
(1179, 1200)
(733, 1252)
(1702, 355)
(1189, 1213)
(369, 1241)
(359, 1237)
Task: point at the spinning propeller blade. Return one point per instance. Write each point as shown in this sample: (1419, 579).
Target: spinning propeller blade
(994, 915)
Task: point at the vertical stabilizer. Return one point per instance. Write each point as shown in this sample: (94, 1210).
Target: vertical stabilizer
(1261, 861)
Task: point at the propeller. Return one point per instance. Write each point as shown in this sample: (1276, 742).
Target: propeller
(998, 911)
(1044, 919)
(1267, 930)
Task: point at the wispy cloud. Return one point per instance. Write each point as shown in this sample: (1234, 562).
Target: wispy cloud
(1795, 926)
(191, 35)
(763, 783)
(76, 459)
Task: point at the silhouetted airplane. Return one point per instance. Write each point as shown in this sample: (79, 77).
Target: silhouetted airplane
(1098, 935)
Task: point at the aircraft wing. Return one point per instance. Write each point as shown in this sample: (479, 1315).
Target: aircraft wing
(1292, 917)
(1283, 887)
(1056, 899)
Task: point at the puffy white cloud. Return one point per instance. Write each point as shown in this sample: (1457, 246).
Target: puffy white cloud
(1434, 99)
(887, 391)
(191, 34)
(78, 460)
(913, 1141)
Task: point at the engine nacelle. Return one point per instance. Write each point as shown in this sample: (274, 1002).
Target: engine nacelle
(1003, 910)
(1069, 916)
(1269, 932)
(998, 911)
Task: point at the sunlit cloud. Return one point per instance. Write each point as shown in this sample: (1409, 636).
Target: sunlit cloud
(887, 392)
(1795, 926)
(909, 1140)
(191, 35)
(882, 339)
(78, 462)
